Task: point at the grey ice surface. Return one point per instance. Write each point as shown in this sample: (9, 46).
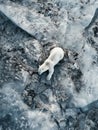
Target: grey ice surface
(29, 29)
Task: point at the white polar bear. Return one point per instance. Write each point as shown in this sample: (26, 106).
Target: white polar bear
(56, 54)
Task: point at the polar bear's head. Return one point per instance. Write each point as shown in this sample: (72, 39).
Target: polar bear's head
(44, 67)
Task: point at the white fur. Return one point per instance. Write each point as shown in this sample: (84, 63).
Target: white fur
(56, 54)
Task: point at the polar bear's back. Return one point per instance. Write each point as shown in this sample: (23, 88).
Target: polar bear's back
(56, 54)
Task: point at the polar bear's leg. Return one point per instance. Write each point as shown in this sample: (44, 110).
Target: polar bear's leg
(51, 70)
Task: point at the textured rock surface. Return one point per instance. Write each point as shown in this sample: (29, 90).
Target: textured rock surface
(70, 100)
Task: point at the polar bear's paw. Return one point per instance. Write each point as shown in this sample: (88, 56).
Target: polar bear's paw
(48, 77)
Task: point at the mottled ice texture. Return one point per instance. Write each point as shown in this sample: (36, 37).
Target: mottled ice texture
(29, 29)
(42, 28)
(35, 24)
